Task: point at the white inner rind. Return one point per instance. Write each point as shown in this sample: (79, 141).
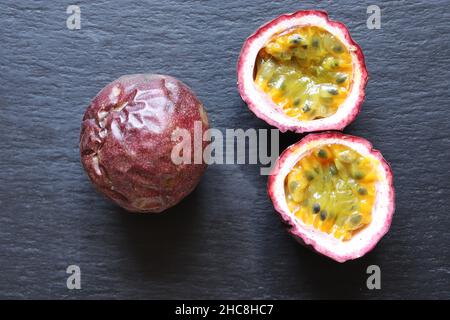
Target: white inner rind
(265, 104)
(326, 243)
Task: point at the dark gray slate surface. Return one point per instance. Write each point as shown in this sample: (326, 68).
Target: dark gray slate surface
(224, 241)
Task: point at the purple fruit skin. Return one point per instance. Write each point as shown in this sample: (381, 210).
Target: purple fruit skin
(126, 144)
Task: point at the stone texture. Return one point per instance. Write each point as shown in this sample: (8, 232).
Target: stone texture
(224, 240)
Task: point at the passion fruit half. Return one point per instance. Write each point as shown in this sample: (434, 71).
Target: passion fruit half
(336, 193)
(126, 141)
(303, 72)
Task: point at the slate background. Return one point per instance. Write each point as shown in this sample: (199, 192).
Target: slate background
(223, 241)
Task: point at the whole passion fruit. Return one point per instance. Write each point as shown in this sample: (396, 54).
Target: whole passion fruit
(303, 72)
(335, 192)
(126, 141)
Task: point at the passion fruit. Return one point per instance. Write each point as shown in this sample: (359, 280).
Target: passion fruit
(335, 192)
(303, 72)
(126, 141)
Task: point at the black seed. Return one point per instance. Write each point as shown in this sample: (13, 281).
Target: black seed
(338, 49)
(323, 215)
(305, 46)
(362, 191)
(295, 39)
(306, 107)
(358, 175)
(293, 185)
(315, 43)
(341, 78)
(316, 208)
(333, 169)
(355, 220)
(296, 102)
(333, 91)
(322, 154)
(309, 175)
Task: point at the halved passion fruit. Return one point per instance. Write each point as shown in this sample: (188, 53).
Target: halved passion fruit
(335, 192)
(303, 72)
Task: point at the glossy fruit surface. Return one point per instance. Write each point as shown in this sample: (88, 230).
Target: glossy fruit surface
(126, 141)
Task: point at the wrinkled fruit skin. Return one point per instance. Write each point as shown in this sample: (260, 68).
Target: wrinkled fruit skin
(126, 144)
(265, 109)
(365, 241)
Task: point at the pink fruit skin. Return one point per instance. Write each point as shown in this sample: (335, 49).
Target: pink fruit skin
(301, 128)
(126, 144)
(294, 230)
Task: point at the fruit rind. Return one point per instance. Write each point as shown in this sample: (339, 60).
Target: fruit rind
(268, 111)
(382, 213)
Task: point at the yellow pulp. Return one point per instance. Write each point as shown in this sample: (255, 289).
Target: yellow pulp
(333, 189)
(306, 71)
